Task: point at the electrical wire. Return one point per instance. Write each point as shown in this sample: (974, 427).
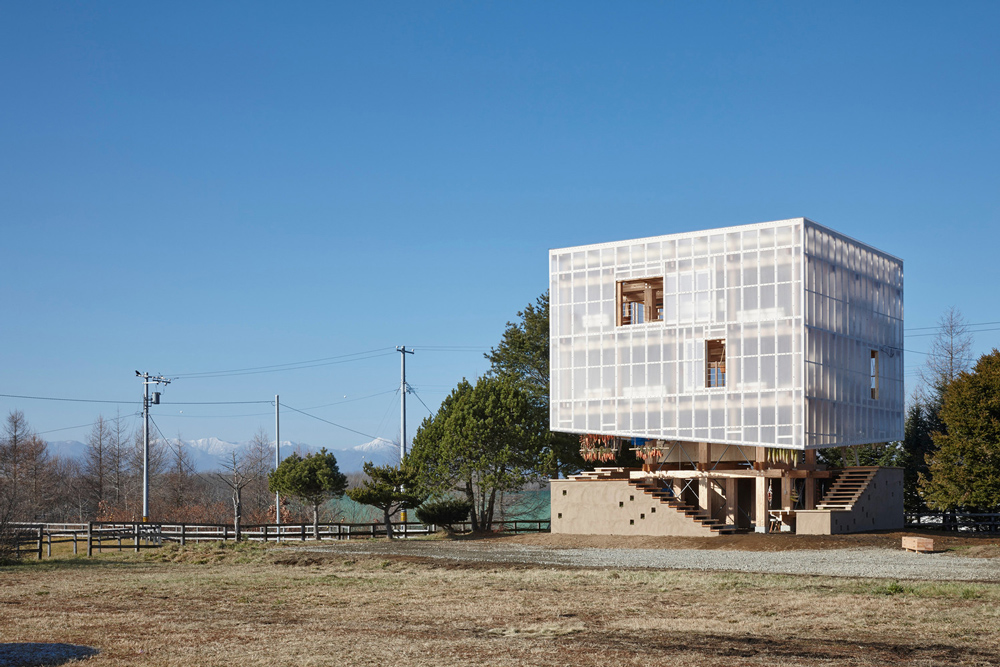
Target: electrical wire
(327, 421)
(70, 428)
(291, 366)
(414, 392)
(69, 400)
(974, 324)
(938, 333)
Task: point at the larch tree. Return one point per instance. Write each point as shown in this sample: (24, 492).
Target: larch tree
(240, 468)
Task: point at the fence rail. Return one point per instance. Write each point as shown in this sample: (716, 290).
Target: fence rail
(120, 536)
(955, 521)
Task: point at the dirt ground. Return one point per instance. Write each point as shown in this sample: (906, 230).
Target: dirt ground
(980, 546)
(251, 605)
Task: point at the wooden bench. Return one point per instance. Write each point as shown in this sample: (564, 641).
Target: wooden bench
(918, 544)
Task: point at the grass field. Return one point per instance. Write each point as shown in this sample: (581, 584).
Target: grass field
(249, 605)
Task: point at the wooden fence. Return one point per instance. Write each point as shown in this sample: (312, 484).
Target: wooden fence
(954, 521)
(123, 536)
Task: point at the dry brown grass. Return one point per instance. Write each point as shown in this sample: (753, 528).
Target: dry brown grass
(248, 605)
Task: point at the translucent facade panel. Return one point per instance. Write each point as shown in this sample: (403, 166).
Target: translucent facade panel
(800, 310)
(854, 309)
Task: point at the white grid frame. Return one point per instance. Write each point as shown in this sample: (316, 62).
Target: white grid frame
(746, 285)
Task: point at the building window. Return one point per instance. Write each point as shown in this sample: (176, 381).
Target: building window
(874, 374)
(639, 301)
(715, 363)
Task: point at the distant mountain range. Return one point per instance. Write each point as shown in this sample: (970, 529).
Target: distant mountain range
(207, 454)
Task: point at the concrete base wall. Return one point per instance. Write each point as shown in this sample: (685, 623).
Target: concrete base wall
(614, 507)
(880, 507)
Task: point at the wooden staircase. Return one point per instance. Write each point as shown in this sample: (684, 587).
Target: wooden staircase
(847, 488)
(665, 496)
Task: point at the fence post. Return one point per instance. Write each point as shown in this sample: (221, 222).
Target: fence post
(135, 536)
(74, 542)
(90, 539)
(41, 531)
(183, 535)
(302, 528)
(49, 549)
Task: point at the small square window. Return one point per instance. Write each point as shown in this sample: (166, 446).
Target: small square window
(559, 516)
(631, 498)
(652, 510)
(631, 522)
(642, 516)
(639, 301)
(564, 492)
(715, 363)
(621, 504)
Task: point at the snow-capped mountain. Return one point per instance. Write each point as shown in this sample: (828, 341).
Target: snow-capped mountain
(207, 454)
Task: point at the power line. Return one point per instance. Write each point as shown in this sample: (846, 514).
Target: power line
(327, 421)
(974, 324)
(69, 400)
(70, 428)
(938, 333)
(291, 366)
(220, 403)
(414, 392)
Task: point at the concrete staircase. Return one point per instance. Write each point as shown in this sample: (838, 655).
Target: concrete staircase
(665, 497)
(601, 474)
(847, 488)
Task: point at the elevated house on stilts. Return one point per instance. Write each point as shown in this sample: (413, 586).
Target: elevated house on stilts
(725, 359)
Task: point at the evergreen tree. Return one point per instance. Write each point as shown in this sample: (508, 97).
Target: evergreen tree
(313, 479)
(482, 442)
(523, 355)
(917, 444)
(964, 470)
(388, 488)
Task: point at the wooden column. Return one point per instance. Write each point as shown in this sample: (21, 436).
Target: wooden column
(786, 492)
(760, 505)
(705, 494)
(732, 504)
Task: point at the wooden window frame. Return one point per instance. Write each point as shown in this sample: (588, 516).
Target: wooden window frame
(873, 374)
(714, 361)
(645, 292)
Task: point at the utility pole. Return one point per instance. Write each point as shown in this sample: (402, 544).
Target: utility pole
(402, 405)
(147, 380)
(402, 412)
(277, 462)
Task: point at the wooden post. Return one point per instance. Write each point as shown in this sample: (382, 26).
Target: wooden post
(303, 529)
(810, 491)
(90, 539)
(183, 534)
(265, 533)
(49, 550)
(732, 505)
(74, 542)
(135, 530)
(705, 494)
(786, 492)
(760, 505)
(41, 532)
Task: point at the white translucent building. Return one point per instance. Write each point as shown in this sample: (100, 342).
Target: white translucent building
(780, 335)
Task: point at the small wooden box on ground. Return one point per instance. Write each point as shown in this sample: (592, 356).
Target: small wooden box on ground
(919, 544)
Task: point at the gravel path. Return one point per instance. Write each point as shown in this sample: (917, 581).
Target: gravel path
(857, 562)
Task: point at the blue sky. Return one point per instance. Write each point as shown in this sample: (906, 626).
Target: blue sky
(196, 187)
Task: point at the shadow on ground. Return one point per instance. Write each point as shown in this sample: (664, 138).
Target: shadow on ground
(29, 654)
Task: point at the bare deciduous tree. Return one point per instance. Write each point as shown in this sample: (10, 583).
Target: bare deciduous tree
(950, 355)
(242, 467)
